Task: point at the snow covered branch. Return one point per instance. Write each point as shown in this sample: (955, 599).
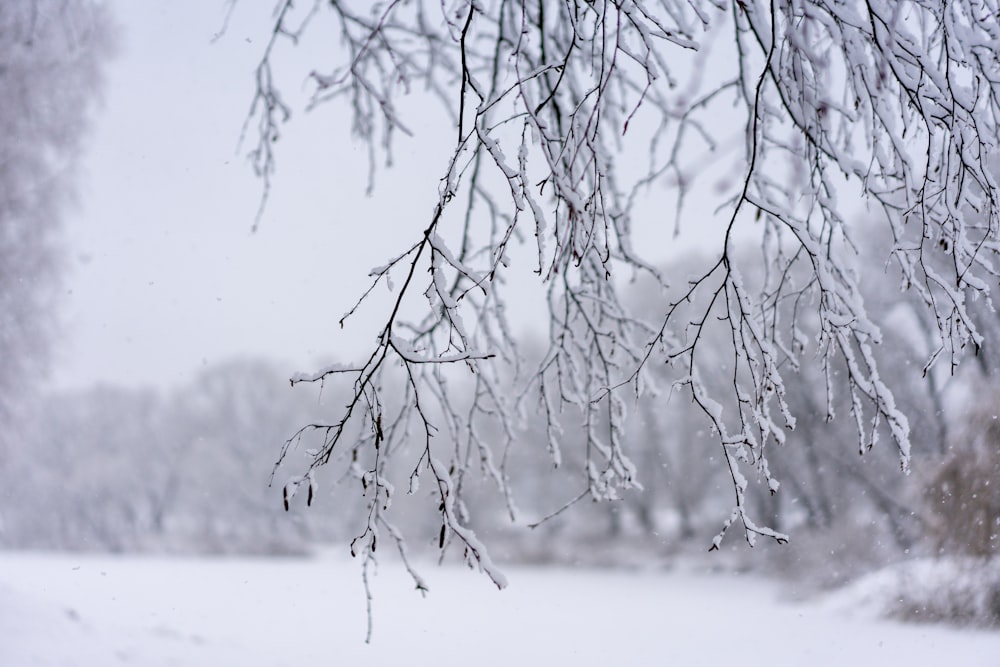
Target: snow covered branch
(814, 104)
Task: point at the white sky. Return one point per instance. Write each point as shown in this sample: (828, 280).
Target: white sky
(165, 274)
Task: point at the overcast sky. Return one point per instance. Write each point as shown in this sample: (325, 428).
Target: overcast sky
(165, 275)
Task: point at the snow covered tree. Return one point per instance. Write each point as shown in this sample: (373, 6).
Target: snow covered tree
(577, 128)
(51, 54)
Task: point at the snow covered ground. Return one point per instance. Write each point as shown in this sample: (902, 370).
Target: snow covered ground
(84, 610)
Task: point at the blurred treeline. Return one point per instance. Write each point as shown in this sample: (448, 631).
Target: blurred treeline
(116, 469)
(188, 470)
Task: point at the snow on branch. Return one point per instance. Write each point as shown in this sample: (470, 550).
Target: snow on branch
(896, 104)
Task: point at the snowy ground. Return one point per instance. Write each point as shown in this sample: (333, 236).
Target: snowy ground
(73, 610)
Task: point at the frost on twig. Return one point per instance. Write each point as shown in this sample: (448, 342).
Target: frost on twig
(889, 102)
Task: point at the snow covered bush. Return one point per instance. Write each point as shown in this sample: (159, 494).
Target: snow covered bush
(959, 591)
(955, 591)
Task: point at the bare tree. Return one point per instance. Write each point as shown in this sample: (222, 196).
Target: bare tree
(891, 103)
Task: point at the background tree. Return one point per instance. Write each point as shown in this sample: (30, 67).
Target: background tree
(118, 469)
(51, 55)
(891, 103)
(50, 74)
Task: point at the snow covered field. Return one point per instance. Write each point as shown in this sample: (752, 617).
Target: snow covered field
(82, 610)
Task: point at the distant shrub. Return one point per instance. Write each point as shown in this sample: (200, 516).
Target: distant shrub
(962, 497)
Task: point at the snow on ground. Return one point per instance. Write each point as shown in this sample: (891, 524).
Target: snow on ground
(84, 610)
